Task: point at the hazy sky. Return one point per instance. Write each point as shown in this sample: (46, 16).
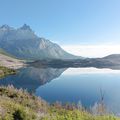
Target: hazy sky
(67, 22)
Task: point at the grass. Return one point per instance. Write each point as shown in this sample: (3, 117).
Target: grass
(6, 71)
(20, 105)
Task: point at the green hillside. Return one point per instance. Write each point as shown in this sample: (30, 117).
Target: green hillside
(6, 71)
(20, 105)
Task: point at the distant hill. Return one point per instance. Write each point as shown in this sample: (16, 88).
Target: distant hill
(24, 43)
(111, 61)
(113, 58)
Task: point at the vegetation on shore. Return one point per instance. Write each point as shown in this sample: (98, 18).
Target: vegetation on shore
(4, 71)
(20, 105)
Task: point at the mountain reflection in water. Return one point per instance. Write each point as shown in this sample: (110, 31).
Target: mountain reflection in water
(31, 78)
(75, 84)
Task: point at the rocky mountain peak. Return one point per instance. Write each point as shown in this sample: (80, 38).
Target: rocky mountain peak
(26, 27)
(5, 27)
(26, 44)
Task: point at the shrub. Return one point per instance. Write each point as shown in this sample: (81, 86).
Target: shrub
(19, 115)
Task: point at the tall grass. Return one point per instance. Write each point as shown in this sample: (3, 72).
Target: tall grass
(20, 105)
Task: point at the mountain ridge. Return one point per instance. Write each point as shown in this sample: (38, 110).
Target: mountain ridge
(26, 44)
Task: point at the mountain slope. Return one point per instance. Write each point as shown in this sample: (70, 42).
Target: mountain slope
(17, 104)
(9, 62)
(23, 43)
(115, 58)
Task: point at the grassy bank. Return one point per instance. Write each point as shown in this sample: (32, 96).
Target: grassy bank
(20, 105)
(6, 71)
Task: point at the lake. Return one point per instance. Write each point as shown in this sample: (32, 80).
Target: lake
(83, 85)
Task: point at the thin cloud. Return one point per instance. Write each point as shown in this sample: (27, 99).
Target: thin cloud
(92, 50)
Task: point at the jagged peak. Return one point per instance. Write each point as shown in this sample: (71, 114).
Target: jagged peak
(6, 27)
(26, 27)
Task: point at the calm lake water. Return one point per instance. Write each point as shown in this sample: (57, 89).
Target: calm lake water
(70, 85)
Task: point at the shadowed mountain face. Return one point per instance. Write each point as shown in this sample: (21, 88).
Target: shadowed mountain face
(24, 43)
(31, 78)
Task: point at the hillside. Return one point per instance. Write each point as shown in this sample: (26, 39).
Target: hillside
(7, 61)
(6, 71)
(4, 53)
(114, 58)
(20, 105)
(8, 64)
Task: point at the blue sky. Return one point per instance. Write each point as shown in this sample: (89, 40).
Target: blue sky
(66, 21)
(82, 27)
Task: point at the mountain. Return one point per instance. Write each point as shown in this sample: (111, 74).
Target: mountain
(7, 61)
(113, 58)
(24, 43)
